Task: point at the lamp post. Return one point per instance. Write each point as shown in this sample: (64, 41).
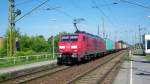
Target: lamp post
(53, 38)
(53, 41)
(7, 45)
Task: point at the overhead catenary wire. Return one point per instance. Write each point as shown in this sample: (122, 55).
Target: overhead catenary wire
(102, 12)
(65, 13)
(32, 10)
(111, 12)
(24, 2)
(78, 7)
(133, 3)
(58, 10)
(139, 20)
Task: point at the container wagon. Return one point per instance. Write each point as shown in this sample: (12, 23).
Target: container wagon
(109, 45)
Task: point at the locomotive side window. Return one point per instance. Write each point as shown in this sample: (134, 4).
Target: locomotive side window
(74, 38)
(83, 38)
(65, 38)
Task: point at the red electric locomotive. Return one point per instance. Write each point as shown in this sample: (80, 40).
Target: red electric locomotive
(74, 48)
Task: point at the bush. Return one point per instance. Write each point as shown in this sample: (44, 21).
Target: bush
(3, 52)
(23, 53)
(148, 57)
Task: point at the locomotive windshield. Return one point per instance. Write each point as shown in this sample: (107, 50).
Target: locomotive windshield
(74, 38)
(69, 38)
(65, 38)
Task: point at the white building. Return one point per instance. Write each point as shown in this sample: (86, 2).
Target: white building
(147, 43)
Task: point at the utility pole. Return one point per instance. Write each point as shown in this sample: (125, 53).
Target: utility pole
(7, 46)
(11, 26)
(103, 27)
(53, 47)
(140, 34)
(98, 31)
(12, 14)
(115, 36)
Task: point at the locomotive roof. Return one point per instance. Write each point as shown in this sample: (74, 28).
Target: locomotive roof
(83, 32)
(95, 36)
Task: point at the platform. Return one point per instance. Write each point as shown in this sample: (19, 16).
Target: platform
(136, 71)
(15, 71)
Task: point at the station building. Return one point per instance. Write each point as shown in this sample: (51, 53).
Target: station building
(1, 42)
(147, 43)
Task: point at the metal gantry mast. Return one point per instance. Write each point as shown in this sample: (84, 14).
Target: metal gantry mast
(11, 27)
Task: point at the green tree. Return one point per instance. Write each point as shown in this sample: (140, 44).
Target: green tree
(3, 52)
(50, 42)
(39, 44)
(25, 43)
(31, 44)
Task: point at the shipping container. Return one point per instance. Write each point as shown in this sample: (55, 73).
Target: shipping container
(124, 46)
(118, 45)
(109, 44)
(114, 46)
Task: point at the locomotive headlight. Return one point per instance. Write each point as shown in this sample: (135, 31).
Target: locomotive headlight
(74, 47)
(61, 47)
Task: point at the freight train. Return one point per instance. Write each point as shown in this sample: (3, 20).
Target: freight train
(81, 46)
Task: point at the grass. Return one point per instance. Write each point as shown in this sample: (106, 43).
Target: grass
(147, 57)
(128, 57)
(10, 62)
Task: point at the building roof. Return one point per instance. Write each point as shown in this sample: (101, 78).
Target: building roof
(147, 37)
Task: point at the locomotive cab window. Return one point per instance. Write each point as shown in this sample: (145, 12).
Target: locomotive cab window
(65, 38)
(83, 38)
(74, 38)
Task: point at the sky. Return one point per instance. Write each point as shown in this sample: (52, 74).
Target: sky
(121, 21)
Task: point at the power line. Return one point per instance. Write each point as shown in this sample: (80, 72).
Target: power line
(111, 12)
(58, 10)
(141, 17)
(32, 10)
(23, 2)
(101, 11)
(78, 7)
(135, 4)
(65, 13)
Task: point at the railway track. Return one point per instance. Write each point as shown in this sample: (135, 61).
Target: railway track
(32, 76)
(67, 74)
(74, 74)
(101, 74)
